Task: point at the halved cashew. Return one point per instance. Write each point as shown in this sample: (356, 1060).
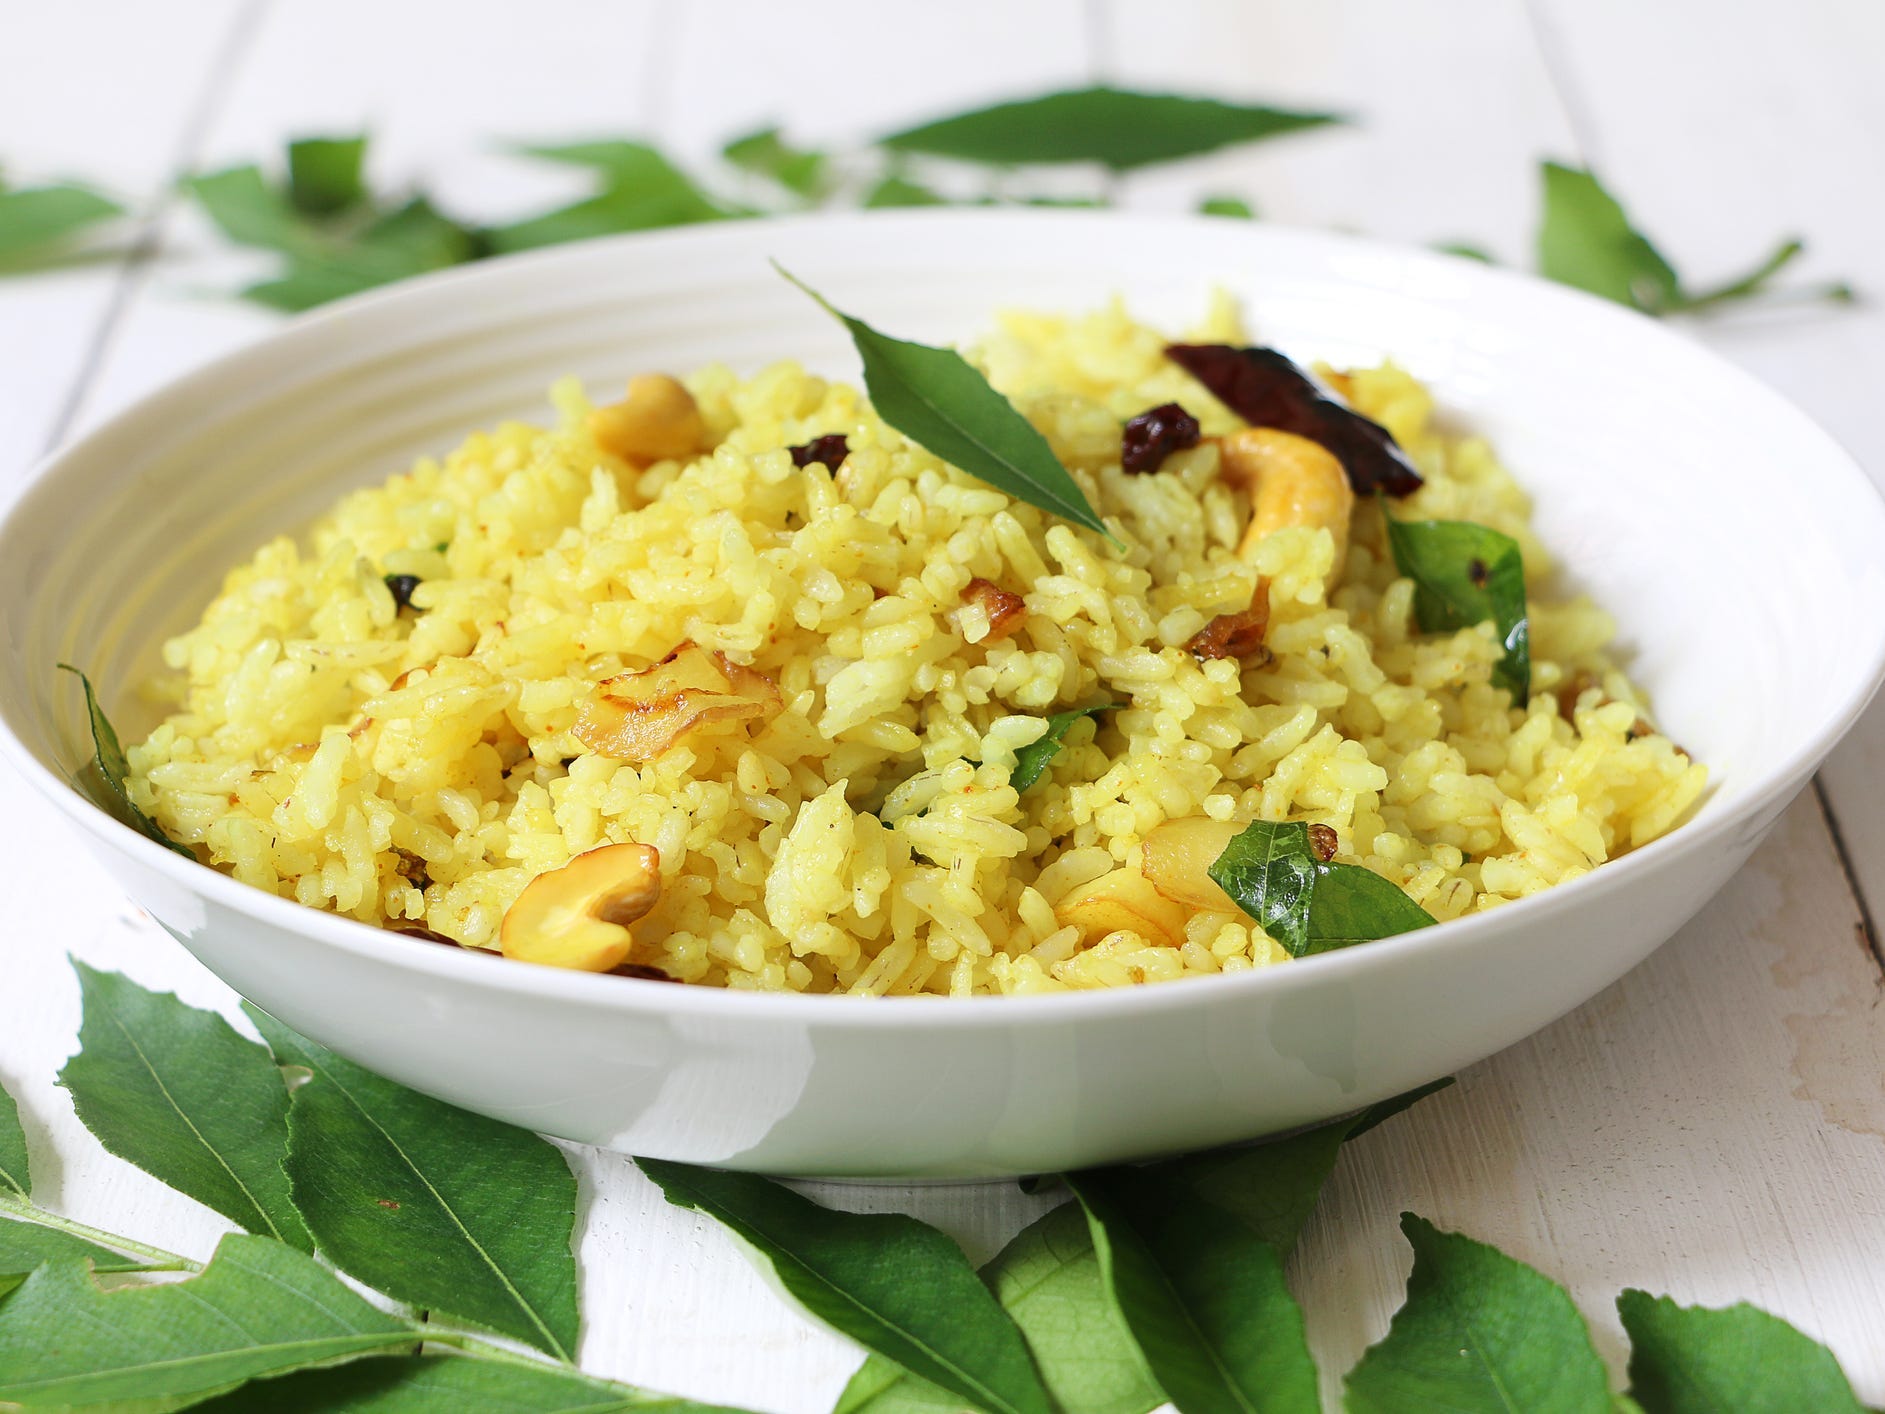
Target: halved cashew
(657, 420)
(1178, 855)
(1123, 898)
(578, 916)
(1291, 481)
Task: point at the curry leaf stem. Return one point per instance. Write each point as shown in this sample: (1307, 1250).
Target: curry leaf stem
(156, 1258)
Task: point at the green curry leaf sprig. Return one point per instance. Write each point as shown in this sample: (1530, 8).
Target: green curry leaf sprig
(1164, 1281)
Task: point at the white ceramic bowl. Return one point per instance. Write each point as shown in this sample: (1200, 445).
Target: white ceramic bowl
(1741, 550)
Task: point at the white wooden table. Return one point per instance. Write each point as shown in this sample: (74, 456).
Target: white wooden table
(1712, 1126)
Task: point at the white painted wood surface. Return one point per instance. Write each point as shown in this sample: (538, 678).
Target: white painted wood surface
(1713, 1126)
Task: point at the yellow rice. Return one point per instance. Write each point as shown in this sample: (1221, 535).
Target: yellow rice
(866, 839)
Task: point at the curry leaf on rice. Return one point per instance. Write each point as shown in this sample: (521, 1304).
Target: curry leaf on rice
(1032, 760)
(1306, 904)
(937, 399)
(1467, 574)
(108, 759)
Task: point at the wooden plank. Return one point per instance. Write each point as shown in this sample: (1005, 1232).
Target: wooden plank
(443, 101)
(60, 129)
(1450, 113)
(1703, 1128)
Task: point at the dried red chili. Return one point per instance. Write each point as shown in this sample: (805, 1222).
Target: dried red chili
(1267, 390)
(831, 450)
(1154, 435)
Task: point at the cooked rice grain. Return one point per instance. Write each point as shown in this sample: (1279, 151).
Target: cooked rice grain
(421, 767)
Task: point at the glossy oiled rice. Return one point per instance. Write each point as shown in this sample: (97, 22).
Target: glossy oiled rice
(421, 766)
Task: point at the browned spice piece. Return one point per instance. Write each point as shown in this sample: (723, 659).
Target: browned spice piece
(419, 930)
(1154, 435)
(1266, 389)
(1581, 682)
(831, 450)
(637, 716)
(641, 970)
(1238, 635)
(1005, 608)
(1323, 841)
(1573, 688)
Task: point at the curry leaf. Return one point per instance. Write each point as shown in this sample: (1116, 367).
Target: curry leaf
(1110, 126)
(34, 220)
(893, 1284)
(937, 399)
(1585, 240)
(1479, 1331)
(1031, 760)
(1694, 1360)
(1270, 871)
(1466, 250)
(324, 174)
(26, 1245)
(615, 211)
(641, 190)
(895, 190)
(1306, 905)
(431, 1204)
(1234, 206)
(445, 1384)
(108, 760)
(1048, 1279)
(1356, 905)
(15, 1173)
(180, 1094)
(249, 211)
(797, 170)
(1464, 575)
(1202, 1294)
(258, 1309)
(1272, 1187)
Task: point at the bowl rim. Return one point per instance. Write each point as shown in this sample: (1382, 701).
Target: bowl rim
(480, 968)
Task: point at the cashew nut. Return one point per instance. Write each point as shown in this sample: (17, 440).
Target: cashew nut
(656, 421)
(1291, 481)
(578, 916)
(1123, 898)
(1178, 855)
